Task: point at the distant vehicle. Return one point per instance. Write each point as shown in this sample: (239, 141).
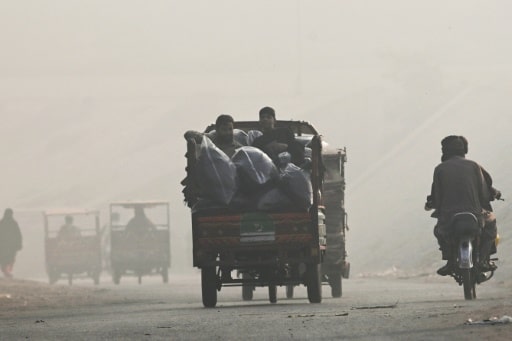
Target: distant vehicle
(72, 254)
(335, 265)
(334, 216)
(139, 239)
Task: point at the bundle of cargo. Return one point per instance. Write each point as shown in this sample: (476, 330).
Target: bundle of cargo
(249, 180)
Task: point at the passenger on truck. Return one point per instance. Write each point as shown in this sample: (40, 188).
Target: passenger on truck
(274, 140)
(222, 137)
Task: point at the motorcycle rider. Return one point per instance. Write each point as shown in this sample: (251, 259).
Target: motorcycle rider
(462, 185)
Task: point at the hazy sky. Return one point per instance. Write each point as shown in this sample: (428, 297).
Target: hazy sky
(227, 39)
(95, 95)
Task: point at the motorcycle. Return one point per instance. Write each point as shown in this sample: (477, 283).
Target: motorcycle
(468, 269)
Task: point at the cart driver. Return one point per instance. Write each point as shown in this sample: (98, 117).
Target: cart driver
(140, 222)
(69, 231)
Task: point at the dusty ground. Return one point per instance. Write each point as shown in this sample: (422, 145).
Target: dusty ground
(397, 307)
(19, 295)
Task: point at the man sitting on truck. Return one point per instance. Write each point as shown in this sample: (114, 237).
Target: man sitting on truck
(222, 137)
(277, 140)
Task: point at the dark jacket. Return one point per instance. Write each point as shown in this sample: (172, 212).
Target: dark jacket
(281, 135)
(458, 186)
(228, 148)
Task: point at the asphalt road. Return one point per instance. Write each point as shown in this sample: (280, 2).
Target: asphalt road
(374, 308)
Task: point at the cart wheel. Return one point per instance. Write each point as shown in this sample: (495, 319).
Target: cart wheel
(289, 291)
(116, 276)
(165, 275)
(53, 277)
(96, 278)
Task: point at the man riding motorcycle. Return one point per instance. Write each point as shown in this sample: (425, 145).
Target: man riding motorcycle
(462, 185)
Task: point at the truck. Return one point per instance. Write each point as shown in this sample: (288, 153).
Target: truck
(280, 245)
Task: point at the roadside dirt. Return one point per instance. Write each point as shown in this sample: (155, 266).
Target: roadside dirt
(18, 295)
(380, 307)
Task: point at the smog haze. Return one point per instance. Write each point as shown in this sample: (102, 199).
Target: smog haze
(95, 97)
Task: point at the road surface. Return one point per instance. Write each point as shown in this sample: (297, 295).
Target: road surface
(371, 308)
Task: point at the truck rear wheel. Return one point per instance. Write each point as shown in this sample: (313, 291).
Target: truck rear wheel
(335, 283)
(314, 283)
(272, 293)
(247, 289)
(96, 277)
(116, 276)
(209, 286)
(165, 274)
(53, 276)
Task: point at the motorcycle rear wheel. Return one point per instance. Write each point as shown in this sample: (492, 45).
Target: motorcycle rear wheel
(469, 284)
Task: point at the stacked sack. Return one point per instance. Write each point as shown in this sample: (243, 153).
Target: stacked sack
(216, 176)
(250, 180)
